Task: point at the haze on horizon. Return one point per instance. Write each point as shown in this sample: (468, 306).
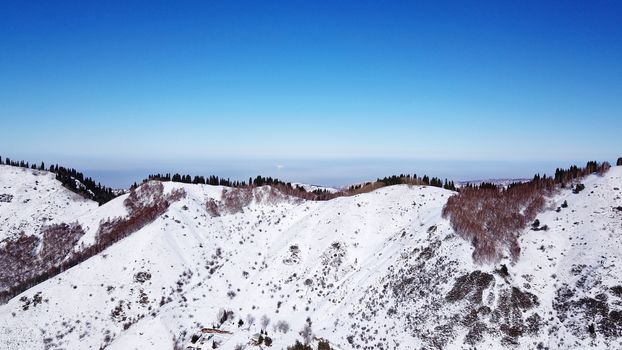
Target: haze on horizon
(332, 92)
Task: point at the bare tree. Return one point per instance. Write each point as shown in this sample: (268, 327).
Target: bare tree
(178, 342)
(250, 320)
(307, 333)
(265, 321)
(223, 315)
(281, 326)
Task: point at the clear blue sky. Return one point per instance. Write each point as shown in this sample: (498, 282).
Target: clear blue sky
(129, 82)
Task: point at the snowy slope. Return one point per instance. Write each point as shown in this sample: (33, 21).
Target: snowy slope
(381, 270)
(30, 199)
(311, 188)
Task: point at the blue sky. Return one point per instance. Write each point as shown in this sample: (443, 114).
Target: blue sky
(158, 83)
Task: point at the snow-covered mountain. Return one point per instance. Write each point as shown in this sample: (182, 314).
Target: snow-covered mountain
(380, 270)
(30, 199)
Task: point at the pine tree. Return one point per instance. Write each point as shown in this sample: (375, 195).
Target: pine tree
(426, 180)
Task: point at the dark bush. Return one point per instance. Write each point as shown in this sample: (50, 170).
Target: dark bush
(299, 346)
(578, 188)
(323, 345)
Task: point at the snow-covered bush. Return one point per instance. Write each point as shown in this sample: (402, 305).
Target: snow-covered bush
(281, 326)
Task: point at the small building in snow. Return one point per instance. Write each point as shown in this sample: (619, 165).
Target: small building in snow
(208, 338)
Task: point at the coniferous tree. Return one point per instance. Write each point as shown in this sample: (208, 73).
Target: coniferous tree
(426, 180)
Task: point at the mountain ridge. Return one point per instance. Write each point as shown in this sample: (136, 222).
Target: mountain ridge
(376, 270)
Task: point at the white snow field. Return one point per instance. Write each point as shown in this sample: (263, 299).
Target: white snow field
(381, 270)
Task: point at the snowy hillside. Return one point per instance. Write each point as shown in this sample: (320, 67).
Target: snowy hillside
(311, 188)
(30, 199)
(380, 270)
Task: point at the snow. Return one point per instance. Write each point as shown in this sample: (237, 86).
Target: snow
(343, 263)
(311, 188)
(38, 199)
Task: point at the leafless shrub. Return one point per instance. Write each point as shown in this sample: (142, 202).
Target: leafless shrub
(223, 316)
(250, 320)
(17, 258)
(234, 200)
(58, 241)
(147, 194)
(142, 276)
(282, 326)
(307, 333)
(178, 343)
(265, 321)
(212, 207)
(6, 198)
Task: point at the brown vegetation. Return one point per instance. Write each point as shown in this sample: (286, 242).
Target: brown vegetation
(22, 267)
(491, 217)
(144, 205)
(235, 199)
